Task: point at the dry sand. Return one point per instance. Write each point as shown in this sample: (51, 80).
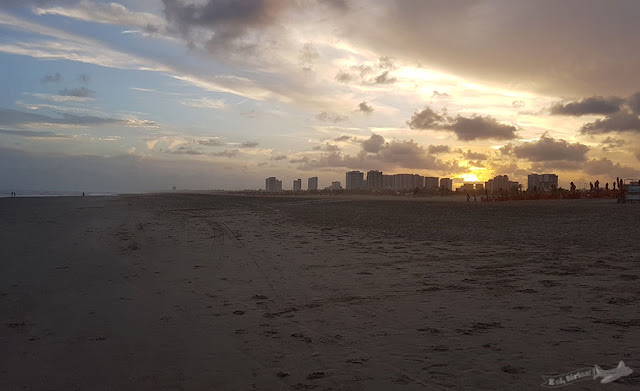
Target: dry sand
(201, 292)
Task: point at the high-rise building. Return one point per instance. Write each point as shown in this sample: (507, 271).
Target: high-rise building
(355, 180)
(374, 180)
(387, 181)
(499, 184)
(446, 183)
(403, 181)
(431, 183)
(297, 185)
(335, 185)
(312, 183)
(273, 185)
(543, 183)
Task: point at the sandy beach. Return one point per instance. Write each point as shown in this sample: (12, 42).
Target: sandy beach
(230, 292)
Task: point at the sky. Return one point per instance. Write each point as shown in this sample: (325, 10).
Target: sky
(144, 95)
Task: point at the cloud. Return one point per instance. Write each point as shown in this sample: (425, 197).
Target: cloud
(331, 117)
(9, 117)
(205, 103)
(279, 157)
(607, 168)
(384, 78)
(84, 78)
(373, 144)
(107, 13)
(549, 149)
(381, 154)
(365, 108)
(611, 143)
(342, 138)
(186, 150)
(592, 105)
(427, 119)
(481, 128)
(345, 77)
(82, 92)
(622, 121)
(501, 41)
(55, 78)
(32, 134)
(436, 149)
(227, 153)
(474, 155)
(212, 142)
(249, 144)
(474, 128)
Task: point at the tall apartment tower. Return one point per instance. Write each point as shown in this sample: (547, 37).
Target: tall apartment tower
(446, 183)
(312, 183)
(431, 183)
(374, 180)
(297, 185)
(273, 185)
(354, 180)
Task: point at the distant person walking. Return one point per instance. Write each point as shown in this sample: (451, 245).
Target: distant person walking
(606, 186)
(591, 186)
(573, 188)
(468, 198)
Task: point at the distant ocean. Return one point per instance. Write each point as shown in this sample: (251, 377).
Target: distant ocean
(52, 193)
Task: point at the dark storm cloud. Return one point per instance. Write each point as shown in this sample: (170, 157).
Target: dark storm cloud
(55, 78)
(436, 149)
(365, 108)
(249, 144)
(81, 92)
(549, 149)
(634, 103)
(331, 117)
(622, 121)
(592, 105)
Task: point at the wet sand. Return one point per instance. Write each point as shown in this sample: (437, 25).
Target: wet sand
(203, 292)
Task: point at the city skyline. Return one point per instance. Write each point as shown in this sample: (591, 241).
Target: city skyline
(145, 95)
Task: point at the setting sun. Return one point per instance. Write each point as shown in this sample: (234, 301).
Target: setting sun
(470, 177)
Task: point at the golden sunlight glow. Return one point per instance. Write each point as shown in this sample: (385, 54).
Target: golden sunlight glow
(470, 177)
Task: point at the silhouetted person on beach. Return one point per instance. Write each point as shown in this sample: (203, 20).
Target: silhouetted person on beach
(573, 188)
(606, 186)
(591, 186)
(83, 193)
(474, 198)
(614, 186)
(468, 198)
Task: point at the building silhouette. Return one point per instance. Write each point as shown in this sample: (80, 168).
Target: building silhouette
(312, 183)
(542, 183)
(431, 183)
(297, 185)
(446, 183)
(374, 180)
(354, 180)
(273, 185)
